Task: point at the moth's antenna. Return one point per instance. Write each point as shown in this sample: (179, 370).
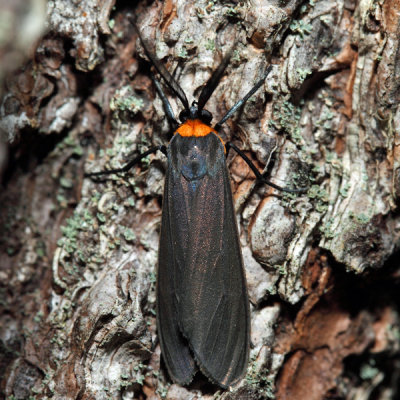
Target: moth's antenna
(168, 78)
(243, 100)
(212, 83)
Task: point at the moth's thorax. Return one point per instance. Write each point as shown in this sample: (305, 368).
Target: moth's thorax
(197, 128)
(194, 127)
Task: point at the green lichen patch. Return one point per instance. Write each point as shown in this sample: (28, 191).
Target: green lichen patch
(182, 53)
(368, 371)
(320, 198)
(74, 226)
(259, 381)
(210, 45)
(128, 234)
(303, 73)
(301, 27)
(359, 218)
(327, 229)
(125, 100)
(344, 191)
(286, 117)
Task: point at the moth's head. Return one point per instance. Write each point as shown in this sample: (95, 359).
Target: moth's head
(194, 113)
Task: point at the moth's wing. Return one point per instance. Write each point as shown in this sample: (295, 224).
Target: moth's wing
(174, 347)
(210, 287)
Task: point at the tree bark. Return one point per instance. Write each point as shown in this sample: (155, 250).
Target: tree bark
(78, 256)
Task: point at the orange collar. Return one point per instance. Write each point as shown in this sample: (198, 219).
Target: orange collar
(194, 127)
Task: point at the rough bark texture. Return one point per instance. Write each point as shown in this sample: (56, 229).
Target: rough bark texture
(78, 258)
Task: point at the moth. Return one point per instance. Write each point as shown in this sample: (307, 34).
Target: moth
(203, 317)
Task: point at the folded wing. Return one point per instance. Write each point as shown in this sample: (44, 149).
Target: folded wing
(202, 305)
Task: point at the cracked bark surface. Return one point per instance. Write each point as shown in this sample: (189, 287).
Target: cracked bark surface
(78, 257)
